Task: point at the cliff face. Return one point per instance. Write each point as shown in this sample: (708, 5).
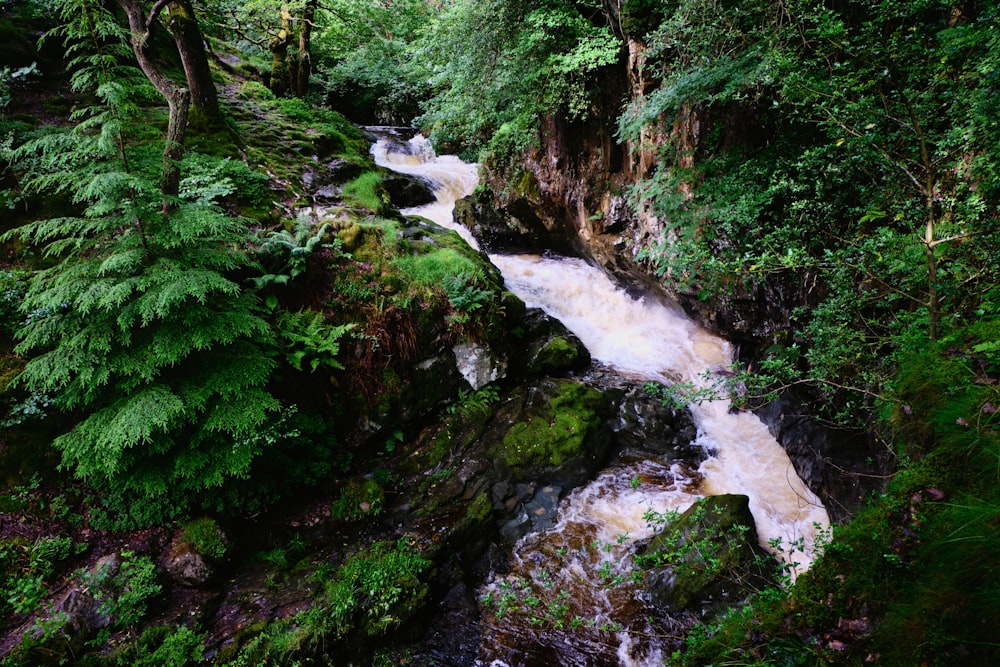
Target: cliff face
(571, 193)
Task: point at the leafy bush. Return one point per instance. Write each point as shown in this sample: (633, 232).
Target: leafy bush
(165, 647)
(374, 591)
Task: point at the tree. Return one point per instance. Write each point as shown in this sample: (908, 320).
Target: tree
(178, 98)
(305, 47)
(890, 84)
(183, 25)
(281, 73)
(500, 67)
(136, 328)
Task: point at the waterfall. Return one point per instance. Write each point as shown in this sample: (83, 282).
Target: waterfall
(647, 341)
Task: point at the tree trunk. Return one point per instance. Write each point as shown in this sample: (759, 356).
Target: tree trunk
(280, 73)
(191, 47)
(178, 100)
(305, 57)
(933, 307)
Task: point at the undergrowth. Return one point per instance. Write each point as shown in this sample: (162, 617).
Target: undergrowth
(912, 579)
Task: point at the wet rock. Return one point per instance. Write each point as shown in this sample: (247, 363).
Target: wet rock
(549, 347)
(708, 559)
(195, 551)
(478, 364)
(643, 422)
(840, 467)
(407, 191)
(504, 231)
(550, 433)
(543, 507)
(187, 567)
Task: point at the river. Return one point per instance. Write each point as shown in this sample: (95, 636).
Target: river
(568, 599)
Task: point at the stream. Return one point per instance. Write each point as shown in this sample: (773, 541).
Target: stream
(568, 598)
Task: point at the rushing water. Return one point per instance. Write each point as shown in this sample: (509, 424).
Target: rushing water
(569, 586)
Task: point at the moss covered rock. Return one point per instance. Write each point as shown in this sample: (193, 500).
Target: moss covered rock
(708, 558)
(557, 433)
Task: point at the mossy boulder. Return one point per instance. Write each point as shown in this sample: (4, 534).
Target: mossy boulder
(556, 433)
(708, 558)
(548, 348)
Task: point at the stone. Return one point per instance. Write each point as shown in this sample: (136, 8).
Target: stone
(708, 559)
(187, 567)
(478, 365)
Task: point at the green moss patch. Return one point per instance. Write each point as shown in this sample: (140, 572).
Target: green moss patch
(555, 435)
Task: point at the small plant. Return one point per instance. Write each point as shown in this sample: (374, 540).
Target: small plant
(124, 592)
(285, 254)
(310, 340)
(205, 537)
(464, 296)
(475, 404)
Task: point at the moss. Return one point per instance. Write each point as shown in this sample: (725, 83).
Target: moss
(480, 509)
(554, 436)
(557, 354)
(359, 498)
(205, 538)
(351, 237)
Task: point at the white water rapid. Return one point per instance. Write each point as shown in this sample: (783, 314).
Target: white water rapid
(645, 341)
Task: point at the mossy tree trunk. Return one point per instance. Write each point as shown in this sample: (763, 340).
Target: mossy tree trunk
(187, 35)
(178, 97)
(280, 72)
(305, 57)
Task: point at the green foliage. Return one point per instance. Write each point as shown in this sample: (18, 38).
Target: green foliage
(465, 297)
(288, 257)
(372, 593)
(500, 67)
(13, 285)
(161, 646)
(370, 70)
(123, 593)
(309, 340)
(366, 192)
(25, 568)
(823, 196)
(475, 404)
(134, 324)
(913, 570)
(438, 268)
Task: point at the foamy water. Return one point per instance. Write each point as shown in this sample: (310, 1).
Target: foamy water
(600, 523)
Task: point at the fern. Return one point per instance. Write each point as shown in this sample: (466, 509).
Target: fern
(310, 340)
(285, 254)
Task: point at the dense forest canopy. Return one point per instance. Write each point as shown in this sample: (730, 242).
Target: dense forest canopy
(172, 322)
